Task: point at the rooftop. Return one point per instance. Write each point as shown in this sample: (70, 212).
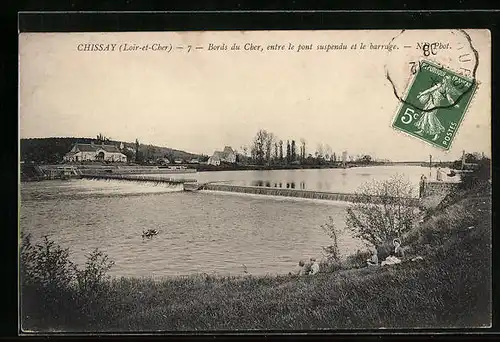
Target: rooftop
(96, 147)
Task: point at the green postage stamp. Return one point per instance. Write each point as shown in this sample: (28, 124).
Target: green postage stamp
(435, 104)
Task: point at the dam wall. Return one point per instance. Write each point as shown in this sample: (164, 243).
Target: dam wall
(332, 196)
(137, 178)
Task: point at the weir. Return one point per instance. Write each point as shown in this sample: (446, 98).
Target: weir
(138, 178)
(193, 185)
(332, 196)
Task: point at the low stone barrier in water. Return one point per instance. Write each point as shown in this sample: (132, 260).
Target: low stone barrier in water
(138, 178)
(332, 196)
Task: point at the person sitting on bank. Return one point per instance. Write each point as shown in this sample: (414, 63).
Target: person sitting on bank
(397, 251)
(300, 269)
(314, 267)
(373, 260)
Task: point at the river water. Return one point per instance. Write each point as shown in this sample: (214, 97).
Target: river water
(329, 180)
(202, 232)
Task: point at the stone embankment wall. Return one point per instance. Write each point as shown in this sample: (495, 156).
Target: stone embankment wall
(433, 193)
(438, 188)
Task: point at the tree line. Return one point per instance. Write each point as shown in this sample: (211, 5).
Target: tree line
(53, 150)
(267, 149)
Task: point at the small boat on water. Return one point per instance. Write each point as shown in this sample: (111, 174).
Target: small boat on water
(149, 233)
(452, 173)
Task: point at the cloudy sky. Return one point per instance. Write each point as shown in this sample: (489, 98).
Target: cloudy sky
(202, 100)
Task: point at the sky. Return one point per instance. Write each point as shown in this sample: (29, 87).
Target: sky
(202, 100)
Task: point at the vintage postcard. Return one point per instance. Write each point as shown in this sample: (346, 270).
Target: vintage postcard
(254, 181)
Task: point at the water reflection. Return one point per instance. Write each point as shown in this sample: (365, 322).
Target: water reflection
(288, 185)
(330, 180)
(268, 184)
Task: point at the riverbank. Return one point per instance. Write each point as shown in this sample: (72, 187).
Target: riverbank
(450, 287)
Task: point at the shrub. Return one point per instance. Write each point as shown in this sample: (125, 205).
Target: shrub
(94, 274)
(46, 275)
(45, 264)
(383, 211)
(92, 284)
(331, 251)
(54, 290)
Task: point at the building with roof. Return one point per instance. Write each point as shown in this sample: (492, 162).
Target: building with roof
(228, 155)
(94, 152)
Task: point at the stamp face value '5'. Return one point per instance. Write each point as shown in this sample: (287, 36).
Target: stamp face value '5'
(435, 105)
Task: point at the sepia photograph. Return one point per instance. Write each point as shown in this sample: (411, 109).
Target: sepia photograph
(248, 181)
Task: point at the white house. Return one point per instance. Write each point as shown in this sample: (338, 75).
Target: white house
(214, 160)
(92, 152)
(227, 156)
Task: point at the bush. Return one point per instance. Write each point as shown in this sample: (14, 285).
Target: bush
(94, 274)
(45, 264)
(383, 211)
(92, 284)
(331, 251)
(46, 275)
(54, 290)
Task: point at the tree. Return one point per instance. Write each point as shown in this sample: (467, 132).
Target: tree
(472, 157)
(102, 139)
(138, 155)
(261, 149)
(303, 148)
(328, 151)
(480, 175)
(321, 151)
(276, 151)
(281, 150)
(366, 159)
(129, 154)
(334, 157)
(288, 157)
(293, 151)
(204, 158)
(269, 139)
(391, 216)
(244, 149)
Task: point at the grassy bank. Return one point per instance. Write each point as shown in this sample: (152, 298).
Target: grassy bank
(450, 287)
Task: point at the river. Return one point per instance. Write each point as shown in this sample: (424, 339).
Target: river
(203, 232)
(329, 180)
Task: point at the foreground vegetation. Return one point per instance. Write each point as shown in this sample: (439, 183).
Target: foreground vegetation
(450, 287)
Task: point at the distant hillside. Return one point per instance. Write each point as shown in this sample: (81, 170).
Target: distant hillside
(52, 150)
